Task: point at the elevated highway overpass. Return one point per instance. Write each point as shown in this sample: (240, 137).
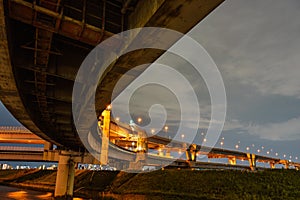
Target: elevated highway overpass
(43, 43)
(42, 46)
(161, 156)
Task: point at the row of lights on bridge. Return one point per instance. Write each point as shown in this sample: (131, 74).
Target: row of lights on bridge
(237, 146)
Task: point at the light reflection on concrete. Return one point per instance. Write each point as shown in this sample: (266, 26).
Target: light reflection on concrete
(18, 195)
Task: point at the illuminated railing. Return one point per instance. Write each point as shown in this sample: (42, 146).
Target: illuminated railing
(13, 129)
(16, 148)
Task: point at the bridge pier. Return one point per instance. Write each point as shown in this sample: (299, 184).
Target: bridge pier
(191, 153)
(48, 146)
(140, 161)
(232, 160)
(105, 137)
(65, 176)
(286, 165)
(252, 161)
(272, 165)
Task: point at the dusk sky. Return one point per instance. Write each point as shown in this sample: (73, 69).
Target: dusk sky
(256, 46)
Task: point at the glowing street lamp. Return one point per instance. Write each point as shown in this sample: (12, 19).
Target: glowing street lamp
(276, 154)
(258, 150)
(237, 146)
(204, 140)
(139, 120)
(152, 131)
(108, 107)
(268, 152)
(182, 136)
(117, 119)
(166, 128)
(221, 143)
(247, 148)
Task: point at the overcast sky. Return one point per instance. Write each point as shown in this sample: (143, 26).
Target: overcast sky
(256, 46)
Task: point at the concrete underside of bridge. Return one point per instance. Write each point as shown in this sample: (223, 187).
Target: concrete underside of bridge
(43, 43)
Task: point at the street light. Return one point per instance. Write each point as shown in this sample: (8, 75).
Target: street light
(166, 128)
(258, 150)
(204, 140)
(247, 148)
(182, 136)
(237, 146)
(221, 143)
(108, 107)
(139, 120)
(152, 131)
(117, 119)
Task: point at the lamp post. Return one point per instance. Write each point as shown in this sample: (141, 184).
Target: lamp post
(166, 128)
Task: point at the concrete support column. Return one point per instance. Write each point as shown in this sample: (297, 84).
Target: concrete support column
(140, 161)
(232, 160)
(48, 146)
(252, 161)
(105, 137)
(141, 144)
(160, 152)
(65, 176)
(286, 165)
(191, 153)
(168, 153)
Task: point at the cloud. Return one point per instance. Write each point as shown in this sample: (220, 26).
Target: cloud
(283, 131)
(254, 45)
